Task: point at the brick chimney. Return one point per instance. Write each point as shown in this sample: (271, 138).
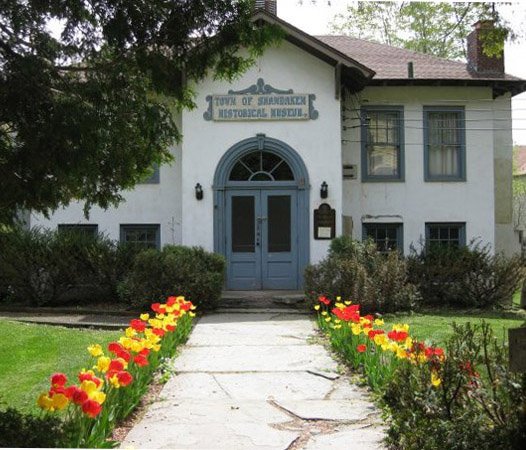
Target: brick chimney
(268, 5)
(477, 60)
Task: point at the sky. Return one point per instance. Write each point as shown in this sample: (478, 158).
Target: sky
(314, 17)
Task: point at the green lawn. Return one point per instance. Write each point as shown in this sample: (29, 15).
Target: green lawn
(436, 326)
(30, 353)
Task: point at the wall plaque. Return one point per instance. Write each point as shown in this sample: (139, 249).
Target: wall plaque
(260, 102)
(324, 222)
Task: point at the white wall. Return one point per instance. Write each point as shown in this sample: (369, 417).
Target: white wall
(317, 141)
(146, 204)
(414, 200)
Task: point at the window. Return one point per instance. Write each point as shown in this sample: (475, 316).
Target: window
(387, 236)
(154, 178)
(261, 166)
(382, 138)
(147, 236)
(444, 144)
(82, 229)
(446, 234)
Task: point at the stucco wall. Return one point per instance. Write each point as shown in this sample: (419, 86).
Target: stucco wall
(414, 200)
(317, 141)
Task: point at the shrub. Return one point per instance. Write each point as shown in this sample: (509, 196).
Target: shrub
(42, 267)
(188, 271)
(478, 404)
(358, 271)
(25, 430)
(465, 276)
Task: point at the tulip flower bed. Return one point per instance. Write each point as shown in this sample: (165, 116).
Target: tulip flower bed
(114, 381)
(462, 398)
(364, 344)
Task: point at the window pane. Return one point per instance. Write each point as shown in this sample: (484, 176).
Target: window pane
(383, 143)
(279, 232)
(384, 235)
(143, 236)
(443, 160)
(382, 160)
(243, 224)
(444, 144)
(239, 173)
(253, 161)
(261, 176)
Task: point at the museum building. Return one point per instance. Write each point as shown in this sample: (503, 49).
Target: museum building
(324, 136)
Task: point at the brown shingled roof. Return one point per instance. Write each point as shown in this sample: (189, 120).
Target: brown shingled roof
(391, 62)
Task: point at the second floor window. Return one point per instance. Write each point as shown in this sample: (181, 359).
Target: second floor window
(382, 143)
(444, 144)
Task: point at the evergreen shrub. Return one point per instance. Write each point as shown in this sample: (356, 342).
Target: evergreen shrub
(468, 276)
(196, 274)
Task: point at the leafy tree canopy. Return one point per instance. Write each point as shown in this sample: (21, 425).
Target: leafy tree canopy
(86, 115)
(437, 28)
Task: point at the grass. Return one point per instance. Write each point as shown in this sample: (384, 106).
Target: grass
(30, 353)
(436, 326)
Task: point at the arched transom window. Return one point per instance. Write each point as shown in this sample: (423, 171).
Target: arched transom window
(261, 166)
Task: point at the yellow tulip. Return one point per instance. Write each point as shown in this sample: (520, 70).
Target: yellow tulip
(435, 379)
(379, 322)
(130, 332)
(98, 396)
(95, 350)
(144, 317)
(45, 402)
(317, 307)
(59, 401)
(103, 363)
(356, 329)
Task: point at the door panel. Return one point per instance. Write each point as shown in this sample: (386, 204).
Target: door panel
(278, 239)
(243, 253)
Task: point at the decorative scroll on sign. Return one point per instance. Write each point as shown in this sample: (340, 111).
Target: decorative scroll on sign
(260, 102)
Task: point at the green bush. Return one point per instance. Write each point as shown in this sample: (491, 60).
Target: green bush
(28, 431)
(479, 404)
(42, 267)
(359, 272)
(175, 270)
(466, 276)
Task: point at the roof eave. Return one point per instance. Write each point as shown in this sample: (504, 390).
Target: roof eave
(499, 87)
(314, 46)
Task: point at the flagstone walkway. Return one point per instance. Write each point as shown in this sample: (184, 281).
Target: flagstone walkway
(258, 381)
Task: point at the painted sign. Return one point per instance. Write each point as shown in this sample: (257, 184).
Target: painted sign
(260, 102)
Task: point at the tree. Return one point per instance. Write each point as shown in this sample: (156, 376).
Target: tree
(437, 28)
(86, 115)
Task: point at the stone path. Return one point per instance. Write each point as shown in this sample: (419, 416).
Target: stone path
(256, 381)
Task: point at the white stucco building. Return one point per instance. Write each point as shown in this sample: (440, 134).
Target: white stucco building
(326, 136)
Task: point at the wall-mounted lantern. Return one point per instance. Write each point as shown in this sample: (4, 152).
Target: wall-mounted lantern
(324, 191)
(198, 191)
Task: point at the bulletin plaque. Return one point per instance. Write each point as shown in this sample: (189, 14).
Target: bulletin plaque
(324, 222)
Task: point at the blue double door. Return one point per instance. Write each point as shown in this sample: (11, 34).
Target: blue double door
(261, 242)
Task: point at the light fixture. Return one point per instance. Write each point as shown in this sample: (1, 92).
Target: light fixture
(324, 191)
(198, 191)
